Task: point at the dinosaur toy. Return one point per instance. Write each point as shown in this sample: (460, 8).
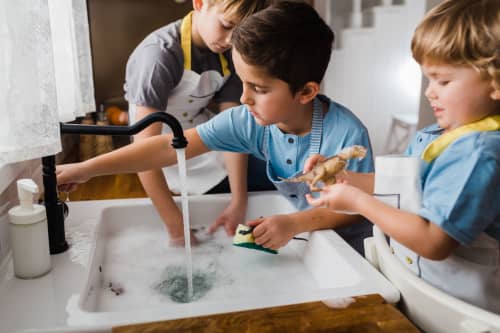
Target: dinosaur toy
(327, 170)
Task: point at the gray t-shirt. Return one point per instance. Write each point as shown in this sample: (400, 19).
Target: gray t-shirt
(156, 66)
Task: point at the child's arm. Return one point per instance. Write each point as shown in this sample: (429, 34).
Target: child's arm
(236, 165)
(277, 230)
(416, 233)
(154, 183)
(234, 213)
(150, 153)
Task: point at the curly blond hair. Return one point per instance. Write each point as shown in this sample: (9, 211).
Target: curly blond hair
(461, 32)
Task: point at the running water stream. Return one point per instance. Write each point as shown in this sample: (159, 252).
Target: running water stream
(181, 162)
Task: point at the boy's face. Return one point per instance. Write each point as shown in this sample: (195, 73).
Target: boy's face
(458, 95)
(214, 27)
(268, 99)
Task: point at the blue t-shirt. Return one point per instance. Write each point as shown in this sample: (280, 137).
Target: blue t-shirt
(460, 190)
(236, 130)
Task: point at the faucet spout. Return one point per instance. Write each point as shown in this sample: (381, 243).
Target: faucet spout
(178, 141)
(55, 209)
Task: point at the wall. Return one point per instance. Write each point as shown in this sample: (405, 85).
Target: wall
(425, 112)
(8, 196)
(376, 76)
(116, 27)
(373, 73)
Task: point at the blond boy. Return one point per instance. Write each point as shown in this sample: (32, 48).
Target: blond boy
(453, 241)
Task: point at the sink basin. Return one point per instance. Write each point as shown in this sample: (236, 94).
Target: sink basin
(132, 269)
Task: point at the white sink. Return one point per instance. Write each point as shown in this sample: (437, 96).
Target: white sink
(131, 267)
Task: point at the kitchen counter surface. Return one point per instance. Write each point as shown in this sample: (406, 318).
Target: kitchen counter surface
(40, 304)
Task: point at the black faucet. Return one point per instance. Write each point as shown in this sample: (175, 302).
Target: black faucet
(55, 208)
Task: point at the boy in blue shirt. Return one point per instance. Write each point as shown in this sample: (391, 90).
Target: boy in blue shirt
(280, 55)
(453, 241)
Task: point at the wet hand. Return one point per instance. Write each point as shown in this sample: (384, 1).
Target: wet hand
(232, 215)
(178, 241)
(273, 231)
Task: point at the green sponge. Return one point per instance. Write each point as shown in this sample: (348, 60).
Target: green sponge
(244, 238)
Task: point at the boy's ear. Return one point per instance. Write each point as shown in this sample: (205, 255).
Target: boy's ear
(308, 92)
(197, 4)
(495, 95)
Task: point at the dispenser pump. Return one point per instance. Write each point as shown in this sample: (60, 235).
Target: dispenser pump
(27, 212)
(26, 189)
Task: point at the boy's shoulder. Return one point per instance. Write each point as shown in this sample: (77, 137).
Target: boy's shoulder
(162, 45)
(340, 115)
(483, 142)
(166, 36)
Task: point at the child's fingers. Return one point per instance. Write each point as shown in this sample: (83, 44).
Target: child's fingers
(255, 222)
(213, 228)
(67, 187)
(261, 239)
(312, 161)
(316, 202)
(230, 228)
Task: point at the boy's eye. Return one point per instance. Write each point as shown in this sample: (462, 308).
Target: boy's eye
(443, 82)
(259, 90)
(226, 26)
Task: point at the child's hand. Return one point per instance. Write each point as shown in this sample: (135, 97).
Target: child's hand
(339, 197)
(230, 218)
(179, 241)
(69, 176)
(311, 162)
(272, 232)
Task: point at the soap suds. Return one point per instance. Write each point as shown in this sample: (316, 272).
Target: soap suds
(174, 284)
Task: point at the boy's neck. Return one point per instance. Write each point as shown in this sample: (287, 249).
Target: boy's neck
(302, 124)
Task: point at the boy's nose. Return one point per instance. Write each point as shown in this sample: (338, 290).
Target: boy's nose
(227, 40)
(245, 99)
(429, 93)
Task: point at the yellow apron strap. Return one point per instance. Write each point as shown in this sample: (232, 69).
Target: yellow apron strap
(436, 147)
(186, 39)
(186, 45)
(224, 65)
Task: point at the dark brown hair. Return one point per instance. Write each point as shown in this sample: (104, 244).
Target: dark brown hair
(289, 40)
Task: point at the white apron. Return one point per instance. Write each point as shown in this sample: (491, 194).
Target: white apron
(472, 272)
(187, 102)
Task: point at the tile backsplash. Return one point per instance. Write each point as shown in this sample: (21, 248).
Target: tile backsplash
(9, 174)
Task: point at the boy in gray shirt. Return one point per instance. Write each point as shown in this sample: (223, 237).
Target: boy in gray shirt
(180, 69)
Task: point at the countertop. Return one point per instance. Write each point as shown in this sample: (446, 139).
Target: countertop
(41, 303)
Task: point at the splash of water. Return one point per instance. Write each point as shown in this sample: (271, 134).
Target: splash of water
(181, 162)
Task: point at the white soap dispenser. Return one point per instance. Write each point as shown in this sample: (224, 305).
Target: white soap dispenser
(29, 238)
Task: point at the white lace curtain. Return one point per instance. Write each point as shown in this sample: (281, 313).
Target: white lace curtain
(45, 74)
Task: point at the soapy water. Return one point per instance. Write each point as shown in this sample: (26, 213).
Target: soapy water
(147, 273)
(174, 284)
(174, 280)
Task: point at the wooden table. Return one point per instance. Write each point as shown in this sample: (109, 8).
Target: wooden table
(368, 314)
